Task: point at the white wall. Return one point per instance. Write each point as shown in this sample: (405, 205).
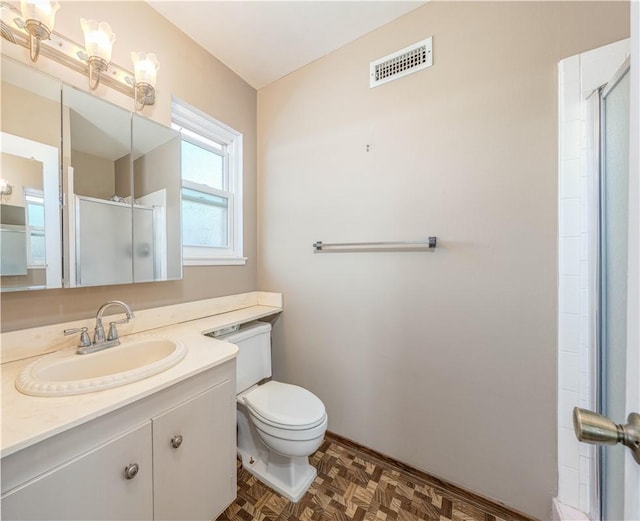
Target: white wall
(446, 361)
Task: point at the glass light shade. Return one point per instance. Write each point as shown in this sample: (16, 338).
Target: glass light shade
(98, 39)
(42, 11)
(5, 187)
(146, 67)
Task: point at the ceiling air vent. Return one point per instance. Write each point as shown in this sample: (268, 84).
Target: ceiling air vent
(401, 63)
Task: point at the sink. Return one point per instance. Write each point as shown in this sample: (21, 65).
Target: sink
(66, 373)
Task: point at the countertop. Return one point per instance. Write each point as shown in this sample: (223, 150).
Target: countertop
(27, 420)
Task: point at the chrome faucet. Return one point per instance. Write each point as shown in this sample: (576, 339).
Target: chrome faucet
(98, 332)
(99, 341)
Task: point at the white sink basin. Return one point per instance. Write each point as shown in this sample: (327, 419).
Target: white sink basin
(66, 373)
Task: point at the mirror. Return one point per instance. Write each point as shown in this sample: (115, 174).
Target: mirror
(98, 188)
(30, 240)
(120, 178)
(157, 250)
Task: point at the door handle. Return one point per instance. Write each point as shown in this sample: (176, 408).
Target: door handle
(600, 430)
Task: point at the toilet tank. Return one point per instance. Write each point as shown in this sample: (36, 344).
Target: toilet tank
(254, 353)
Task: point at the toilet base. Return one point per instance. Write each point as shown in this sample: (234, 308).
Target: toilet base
(290, 476)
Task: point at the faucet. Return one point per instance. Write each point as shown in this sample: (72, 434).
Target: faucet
(98, 332)
(99, 341)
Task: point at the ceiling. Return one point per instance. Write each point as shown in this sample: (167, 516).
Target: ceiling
(263, 41)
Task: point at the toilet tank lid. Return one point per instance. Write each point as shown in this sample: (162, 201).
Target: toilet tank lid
(246, 331)
(286, 404)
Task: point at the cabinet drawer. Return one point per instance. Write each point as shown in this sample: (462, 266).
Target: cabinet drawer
(91, 486)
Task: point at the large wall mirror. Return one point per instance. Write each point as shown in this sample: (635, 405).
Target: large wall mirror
(120, 184)
(30, 240)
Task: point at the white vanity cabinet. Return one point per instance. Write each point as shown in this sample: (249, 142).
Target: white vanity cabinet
(191, 478)
(182, 439)
(92, 486)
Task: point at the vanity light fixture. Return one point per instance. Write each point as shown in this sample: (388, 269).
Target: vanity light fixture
(146, 71)
(5, 187)
(32, 29)
(38, 17)
(98, 43)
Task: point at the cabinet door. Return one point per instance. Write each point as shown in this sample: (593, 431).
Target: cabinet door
(91, 486)
(194, 456)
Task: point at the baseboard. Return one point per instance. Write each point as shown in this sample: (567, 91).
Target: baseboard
(488, 505)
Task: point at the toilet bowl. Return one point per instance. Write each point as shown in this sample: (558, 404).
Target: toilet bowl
(279, 425)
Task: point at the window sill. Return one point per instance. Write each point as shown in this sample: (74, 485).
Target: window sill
(214, 261)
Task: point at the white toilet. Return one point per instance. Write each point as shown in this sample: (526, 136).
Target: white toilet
(279, 425)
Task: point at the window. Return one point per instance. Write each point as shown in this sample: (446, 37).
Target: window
(211, 188)
(34, 205)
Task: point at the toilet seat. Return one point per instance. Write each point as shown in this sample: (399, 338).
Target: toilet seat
(285, 406)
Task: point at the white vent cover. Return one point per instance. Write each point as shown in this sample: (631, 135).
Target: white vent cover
(401, 63)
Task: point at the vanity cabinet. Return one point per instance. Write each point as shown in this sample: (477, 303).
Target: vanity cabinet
(182, 439)
(189, 468)
(91, 486)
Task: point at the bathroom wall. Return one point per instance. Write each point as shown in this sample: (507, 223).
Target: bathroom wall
(446, 360)
(93, 176)
(192, 74)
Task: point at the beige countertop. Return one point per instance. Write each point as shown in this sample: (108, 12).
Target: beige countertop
(27, 420)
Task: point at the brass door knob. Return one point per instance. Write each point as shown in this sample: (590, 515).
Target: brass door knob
(591, 427)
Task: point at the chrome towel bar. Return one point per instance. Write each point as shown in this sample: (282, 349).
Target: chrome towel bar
(428, 245)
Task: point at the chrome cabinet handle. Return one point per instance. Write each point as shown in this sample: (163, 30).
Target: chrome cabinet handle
(176, 441)
(131, 470)
(600, 430)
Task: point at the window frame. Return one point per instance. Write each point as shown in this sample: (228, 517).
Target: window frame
(33, 193)
(198, 128)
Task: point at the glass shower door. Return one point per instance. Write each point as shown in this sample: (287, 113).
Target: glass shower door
(614, 230)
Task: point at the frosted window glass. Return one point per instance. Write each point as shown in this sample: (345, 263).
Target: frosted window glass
(204, 219)
(37, 246)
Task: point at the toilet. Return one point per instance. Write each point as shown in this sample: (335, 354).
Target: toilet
(279, 425)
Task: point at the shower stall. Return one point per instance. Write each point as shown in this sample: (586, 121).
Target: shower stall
(594, 94)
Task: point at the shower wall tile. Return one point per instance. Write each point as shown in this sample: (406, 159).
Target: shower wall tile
(569, 294)
(570, 378)
(569, 217)
(567, 400)
(569, 250)
(571, 142)
(569, 333)
(570, 179)
(569, 486)
(569, 456)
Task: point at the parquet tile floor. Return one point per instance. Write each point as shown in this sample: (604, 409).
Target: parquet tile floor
(354, 485)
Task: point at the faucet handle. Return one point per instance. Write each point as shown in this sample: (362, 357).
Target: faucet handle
(113, 331)
(85, 341)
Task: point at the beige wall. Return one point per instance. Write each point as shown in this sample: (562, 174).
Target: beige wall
(93, 176)
(190, 73)
(445, 360)
(20, 173)
(30, 116)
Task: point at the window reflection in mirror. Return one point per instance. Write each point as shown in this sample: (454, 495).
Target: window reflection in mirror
(98, 185)
(157, 246)
(30, 241)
